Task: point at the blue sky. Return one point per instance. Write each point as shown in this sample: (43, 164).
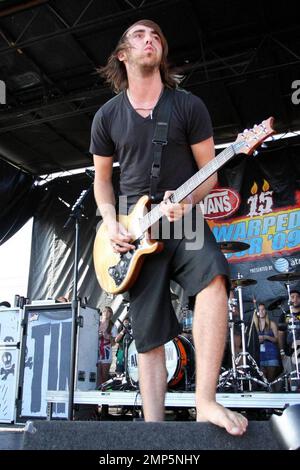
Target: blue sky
(14, 264)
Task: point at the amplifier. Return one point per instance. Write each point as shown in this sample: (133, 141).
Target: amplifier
(46, 352)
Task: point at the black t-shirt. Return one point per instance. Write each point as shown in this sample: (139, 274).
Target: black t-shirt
(285, 324)
(118, 130)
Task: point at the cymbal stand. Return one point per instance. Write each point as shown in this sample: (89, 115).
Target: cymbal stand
(231, 305)
(292, 328)
(227, 376)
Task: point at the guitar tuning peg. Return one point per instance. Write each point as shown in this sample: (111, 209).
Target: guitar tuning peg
(255, 153)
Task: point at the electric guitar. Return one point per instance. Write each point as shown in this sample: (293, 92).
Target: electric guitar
(116, 272)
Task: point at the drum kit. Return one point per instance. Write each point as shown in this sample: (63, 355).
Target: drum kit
(293, 327)
(244, 372)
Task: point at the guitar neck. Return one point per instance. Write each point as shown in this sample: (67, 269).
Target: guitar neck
(191, 184)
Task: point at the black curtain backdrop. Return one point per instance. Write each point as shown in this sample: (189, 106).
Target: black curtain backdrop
(52, 256)
(279, 164)
(19, 198)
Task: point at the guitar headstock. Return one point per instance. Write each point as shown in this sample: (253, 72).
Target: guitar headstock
(250, 139)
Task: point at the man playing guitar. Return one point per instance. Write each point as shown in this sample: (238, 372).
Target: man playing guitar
(123, 127)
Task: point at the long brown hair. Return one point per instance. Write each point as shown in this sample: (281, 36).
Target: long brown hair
(115, 73)
(267, 319)
(110, 322)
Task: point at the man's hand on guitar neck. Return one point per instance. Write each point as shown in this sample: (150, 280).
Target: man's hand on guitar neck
(172, 211)
(119, 237)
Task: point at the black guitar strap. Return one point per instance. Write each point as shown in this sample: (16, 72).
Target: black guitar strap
(160, 140)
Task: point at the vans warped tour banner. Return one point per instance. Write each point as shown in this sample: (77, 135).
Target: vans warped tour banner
(258, 202)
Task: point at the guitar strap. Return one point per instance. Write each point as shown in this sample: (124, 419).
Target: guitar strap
(160, 139)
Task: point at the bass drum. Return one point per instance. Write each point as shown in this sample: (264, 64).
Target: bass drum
(180, 363)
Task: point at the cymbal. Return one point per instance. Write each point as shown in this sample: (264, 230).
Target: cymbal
(276, 303)
(285, 277)
(242, 282)
(233, 247)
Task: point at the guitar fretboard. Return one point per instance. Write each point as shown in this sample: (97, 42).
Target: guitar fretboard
(191, 184)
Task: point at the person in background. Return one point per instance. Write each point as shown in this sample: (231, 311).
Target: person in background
(107, 335)
(125, 329)
(285, 336)
(268, 339)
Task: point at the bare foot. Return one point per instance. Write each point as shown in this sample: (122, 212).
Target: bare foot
(234, 423)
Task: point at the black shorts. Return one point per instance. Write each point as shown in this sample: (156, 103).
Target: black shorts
(154, 321)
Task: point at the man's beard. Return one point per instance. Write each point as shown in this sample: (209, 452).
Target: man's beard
(148, 69)
(146, 65)
(296, 306)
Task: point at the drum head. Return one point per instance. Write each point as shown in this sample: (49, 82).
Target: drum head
(132, 363)
(171, 361)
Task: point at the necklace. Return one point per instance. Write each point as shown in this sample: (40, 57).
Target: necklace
(141, 108)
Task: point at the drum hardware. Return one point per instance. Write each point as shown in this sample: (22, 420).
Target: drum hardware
(233, 246)
(276, 304)
(241, 373)
(288, 278)
(252, 322)
(232, 303)
(285, 277)
(242, 282)
(185, 363)
(187, 319)
(127, 339)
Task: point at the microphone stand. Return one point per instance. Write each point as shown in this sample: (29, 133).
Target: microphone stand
(76, 215)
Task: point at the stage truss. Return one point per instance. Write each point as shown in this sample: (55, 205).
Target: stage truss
(176, 399)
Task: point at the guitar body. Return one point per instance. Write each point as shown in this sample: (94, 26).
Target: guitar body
(116, 272)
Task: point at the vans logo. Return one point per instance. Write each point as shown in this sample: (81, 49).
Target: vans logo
(220, 203)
